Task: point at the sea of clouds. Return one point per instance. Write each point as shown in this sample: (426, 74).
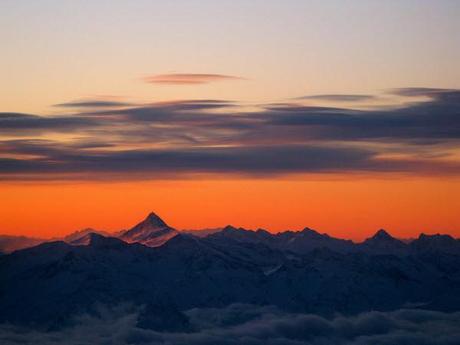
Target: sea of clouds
(252, 325)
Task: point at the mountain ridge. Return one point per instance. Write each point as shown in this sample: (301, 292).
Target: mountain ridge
(154, 231)
(43, 285)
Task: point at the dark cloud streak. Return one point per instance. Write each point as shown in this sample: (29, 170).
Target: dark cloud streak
(212, 136)
(339, 98)
(18, 124)
(92, 103)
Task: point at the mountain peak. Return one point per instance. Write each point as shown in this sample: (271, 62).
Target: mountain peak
(438, 236)
(152, 231)
(96, 240)
(229, 228)
(383, 242)
(382, 235)
(437, 242)
(79, 234)
(312, 233)
(99, 241)
(155, 220)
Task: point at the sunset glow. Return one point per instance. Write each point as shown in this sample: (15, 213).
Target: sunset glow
(256, 113)
(230, 172)
(403, 206)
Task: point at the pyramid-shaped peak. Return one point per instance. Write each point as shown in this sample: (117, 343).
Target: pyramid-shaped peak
(152, 231)
(155, 220)
(382, 235)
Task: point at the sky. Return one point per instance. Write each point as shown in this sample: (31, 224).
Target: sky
(343, 116)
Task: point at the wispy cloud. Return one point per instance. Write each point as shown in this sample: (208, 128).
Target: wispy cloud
(93, 103)
(188, 78)
(423, 91)
(14, 124)
(212, 136)
(339, 97)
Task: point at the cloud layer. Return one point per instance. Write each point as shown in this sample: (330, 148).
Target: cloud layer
(188, 78)
(339, 97)
(93, 103)
(217, 136)
(248, 324)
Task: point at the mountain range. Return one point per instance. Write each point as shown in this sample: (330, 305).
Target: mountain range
(153, 232)
(168, 271)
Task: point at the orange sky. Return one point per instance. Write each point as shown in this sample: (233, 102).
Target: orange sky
(99, 91)
(345, 208)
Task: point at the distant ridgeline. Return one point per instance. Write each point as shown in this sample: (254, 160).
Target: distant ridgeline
(168, 271)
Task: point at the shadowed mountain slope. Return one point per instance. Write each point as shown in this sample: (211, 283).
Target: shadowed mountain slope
(44, 285)
(152, 232)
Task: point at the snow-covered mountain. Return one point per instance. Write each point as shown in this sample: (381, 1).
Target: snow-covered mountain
(79, 235)
(436, 244)
(152, 232)
(201, 232)
(308, 240)
(295, 241)
(44, 285)
(383, 243)
(155, 266)
(9, 243)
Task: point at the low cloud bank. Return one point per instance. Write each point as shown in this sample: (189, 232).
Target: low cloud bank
(252, 325)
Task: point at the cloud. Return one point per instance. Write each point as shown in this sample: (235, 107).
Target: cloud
(241, 324)
(246, 160)
(216, 136)
(339, 98)
(19, 124)
(188, 78)
(430, 121)
(93, 103)
(257, 161)
(179, 106)
(422, 91)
